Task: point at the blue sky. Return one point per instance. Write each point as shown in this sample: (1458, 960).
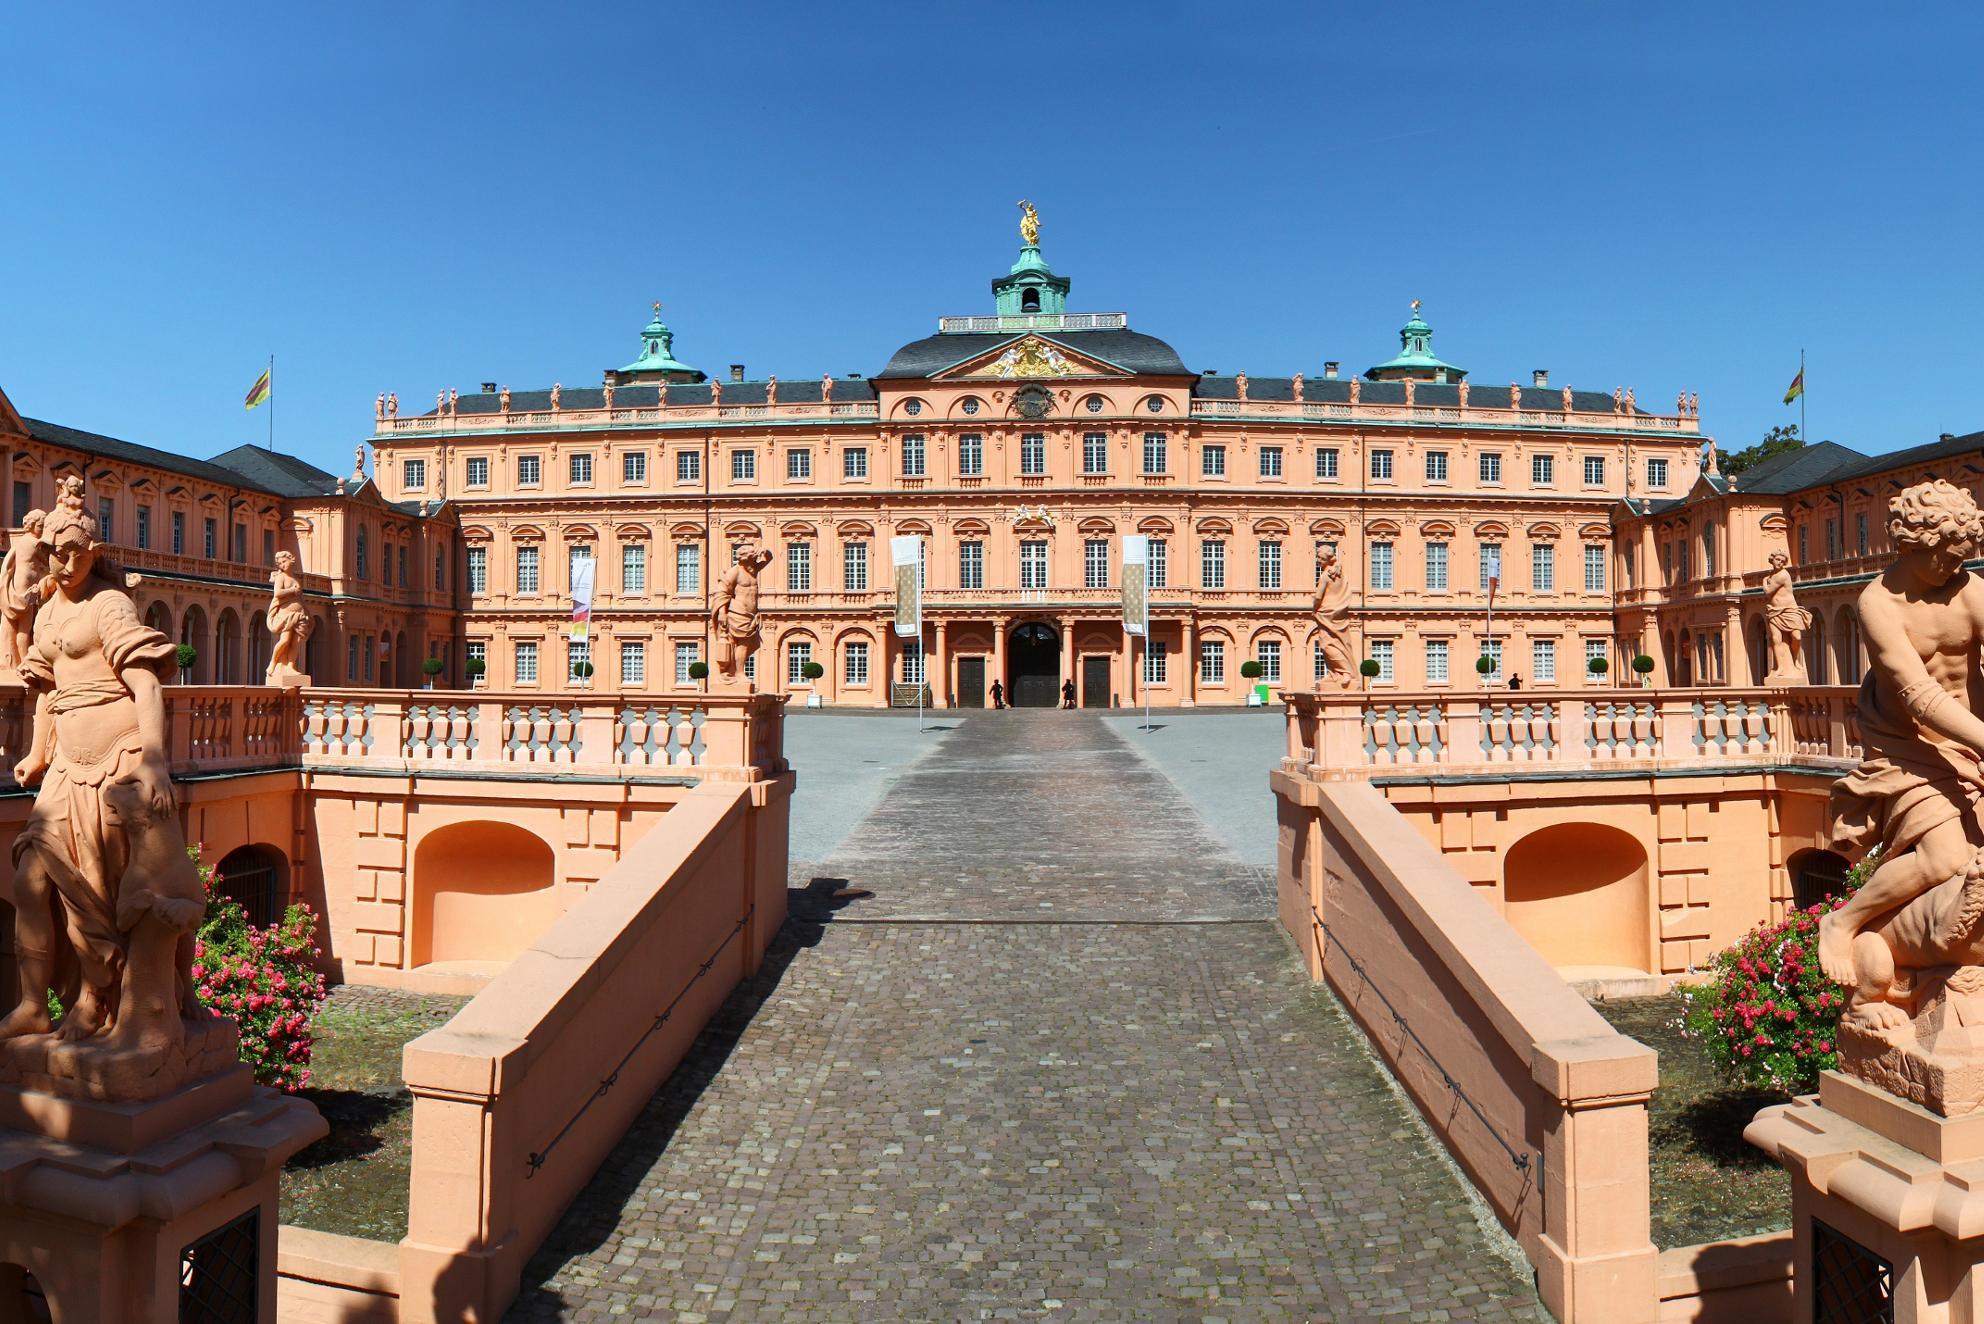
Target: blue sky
(418, 196)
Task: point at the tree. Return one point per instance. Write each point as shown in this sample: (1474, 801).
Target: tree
(1777, 441)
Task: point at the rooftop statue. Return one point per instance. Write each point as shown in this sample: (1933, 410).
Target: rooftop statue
(1910, 942)
(734, 613)
(1787, 623)
(1029, 224)
(1332, 610)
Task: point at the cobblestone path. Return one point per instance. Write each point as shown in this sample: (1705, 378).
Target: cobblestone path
(1063, 1065)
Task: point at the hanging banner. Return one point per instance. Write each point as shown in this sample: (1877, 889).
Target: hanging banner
(582, 577)
(905, 553)
(1136, 575)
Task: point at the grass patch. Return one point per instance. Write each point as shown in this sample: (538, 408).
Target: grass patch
(354, 1180)
(1708, 1182)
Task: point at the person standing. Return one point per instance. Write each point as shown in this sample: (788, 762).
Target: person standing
(1068, 693)
(998, 695)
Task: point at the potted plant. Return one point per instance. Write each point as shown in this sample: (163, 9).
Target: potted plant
(812, 671)
(1257, 694)
(185, 655)
(431, 668)
(582, 669)
(1598, 666)
(699, 672)
(475, 666)
(1485, 666)
(1367, 669)
(1644, 665)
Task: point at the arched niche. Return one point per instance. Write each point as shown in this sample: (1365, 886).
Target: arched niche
(1578, 893)
(482, 893)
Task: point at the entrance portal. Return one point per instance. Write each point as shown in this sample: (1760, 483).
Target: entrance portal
(1095, 682)
(1033, 667)
(971, 682)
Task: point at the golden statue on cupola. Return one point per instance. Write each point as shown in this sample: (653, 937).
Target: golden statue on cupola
(1029, 224)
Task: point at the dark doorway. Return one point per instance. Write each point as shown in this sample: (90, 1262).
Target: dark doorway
(971, 682)
(1033, 667)
(257, 877)
(1816, 876)
(1095, 682)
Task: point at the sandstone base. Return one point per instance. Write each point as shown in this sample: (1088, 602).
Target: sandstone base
(1878, 1180)
(287, 678)
(112, 1207)
(97, 1069)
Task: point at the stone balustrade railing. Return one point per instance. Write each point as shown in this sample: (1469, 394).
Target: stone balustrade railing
(581, 419)
(1350, 733)
(244, 728)
(1489, 408)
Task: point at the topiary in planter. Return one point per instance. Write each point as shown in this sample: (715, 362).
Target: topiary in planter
(1597, 666)
(185, 655)
(1484, 664)
(1250, 669)
(432, 666)
(698, 670)
(1369, 667)
(1644, 665)
(583, 670)
(812, 670)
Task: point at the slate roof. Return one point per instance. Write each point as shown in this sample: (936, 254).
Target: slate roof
(802, 391)
(1970, 444)
(1431, 394)
(93, 443)
(1808, 466)
(1132, 350)
(272, 471)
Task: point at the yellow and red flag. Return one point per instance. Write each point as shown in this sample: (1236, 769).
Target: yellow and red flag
(259, 392)
(1797, 387)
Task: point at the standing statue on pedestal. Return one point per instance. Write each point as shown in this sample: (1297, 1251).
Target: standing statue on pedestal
(1332, 610)
(734, 614)
(21, 574)
(102, 885)
(289, 624)
(1787, 623)
(1916, 791)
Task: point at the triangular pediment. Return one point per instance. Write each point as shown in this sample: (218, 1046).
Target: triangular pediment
(10, 419)
(1030, 357)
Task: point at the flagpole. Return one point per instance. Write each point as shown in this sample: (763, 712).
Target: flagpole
(272, 402)
(1803, 391)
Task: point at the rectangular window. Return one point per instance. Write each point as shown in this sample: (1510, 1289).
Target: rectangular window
(1594, 650)
(269, 552)
(413, 474)
(241, 536)
(1542, 470)
(688, 570)
(1095, 563)
(912, 455)
(527, 570)
(1681, 558)
(854, 462)
(1594, 471)
(799, 463)
(1212, 662)
(179, 535)
(440, 567)
(1542, 568)
(351, 658)
(1267, 652)
(799, 567)
(855, 664)
(912, 663)
(1160, 564)
(1033, 563)
(145, 526)
(1384, 652)
(1437, 672)
(1270, 461)
(1154, 662)
(1033, 453)
(1381, 465)
(1594, 568)
(854, 567)
(688, 466)
(1543, 661)
(529, 471)
(1326, 462)
(478, 570)
(106, 519)
(1859, 531)
(1319, 661)
(1491, 564)
(686, 656)
(1154, 452)
(743, 466)
(1436, 567)
(797, 655)
(1212, 461)
(633, 662)
(634, 467)
(971, 565)
(573, 556)
(359, 559)
(634, 568)
(211, 532)
(1804, 551)
(478, 471)
(971, 455)
(1832, 538)
(478, 651)
(578, 469)
(1656, 473)
(1491, 467)
(578, 659)
(371, 653)
(1095, 452)
(1381, 565)
(526, 662)
(1270, 564)
(1212, 564)
(1492, 650)
(1436, 466)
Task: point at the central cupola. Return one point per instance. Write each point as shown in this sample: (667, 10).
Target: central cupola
(1031, 286)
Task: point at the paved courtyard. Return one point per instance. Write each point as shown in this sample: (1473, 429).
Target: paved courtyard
(1062, 1065)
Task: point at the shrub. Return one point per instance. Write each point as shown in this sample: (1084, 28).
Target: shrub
(1250, 669)
(432, 666)
(583, 670)
(185, 655)
(475, 666)
(812, 670)
(1643, 664)
(1598, 666)
(263, 979)
(698, 670)
(1768, 1015)
(1484, 664)
(1369, 667)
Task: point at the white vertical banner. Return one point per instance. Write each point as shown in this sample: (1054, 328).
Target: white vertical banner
(582, 580)
(1136, 576)
(905, 555)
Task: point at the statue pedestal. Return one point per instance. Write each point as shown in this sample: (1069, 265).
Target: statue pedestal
(1887, 1202)
(286, 678)
(121, 1211)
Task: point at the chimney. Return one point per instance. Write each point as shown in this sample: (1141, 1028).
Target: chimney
(489, 388)
(1539, 377)
(1329, 369)
(736, 372)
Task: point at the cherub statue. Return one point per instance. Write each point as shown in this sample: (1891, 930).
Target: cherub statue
(1916, 791)
(734, 612)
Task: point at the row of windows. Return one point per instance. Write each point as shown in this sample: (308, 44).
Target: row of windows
(1542, 567)
(1094, 404)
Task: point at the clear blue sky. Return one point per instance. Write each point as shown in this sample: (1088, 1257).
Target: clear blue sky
(415, 196)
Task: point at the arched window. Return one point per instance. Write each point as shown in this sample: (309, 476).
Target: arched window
(1030, 301)
(257, 877)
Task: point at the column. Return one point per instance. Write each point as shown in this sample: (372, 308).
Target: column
(1190, 695)
(1068, 667)
(998, 659)
(938, 670)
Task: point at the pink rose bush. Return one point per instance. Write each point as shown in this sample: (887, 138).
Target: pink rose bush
(264, 979)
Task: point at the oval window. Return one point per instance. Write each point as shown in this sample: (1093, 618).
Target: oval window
(1094, 404)
(971, 406)
(913, 408)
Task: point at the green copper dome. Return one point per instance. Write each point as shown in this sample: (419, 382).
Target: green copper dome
(1415, 356)
(658, 351)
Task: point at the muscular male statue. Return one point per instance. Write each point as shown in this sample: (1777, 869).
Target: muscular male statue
(734, 612)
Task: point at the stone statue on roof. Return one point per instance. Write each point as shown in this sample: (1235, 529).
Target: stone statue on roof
(557, 393)
(1295, 386)
(771, 390)
(1029, 224)
(503, 399)
(826, 387)
(1240, 385)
